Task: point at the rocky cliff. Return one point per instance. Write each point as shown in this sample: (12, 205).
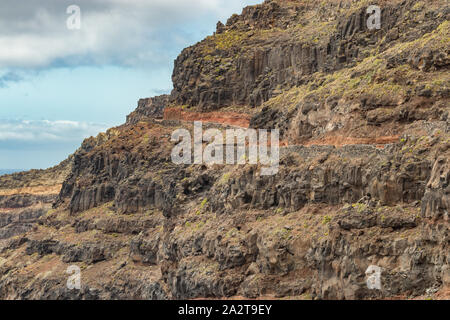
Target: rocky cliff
(26, 196)
(363, 179)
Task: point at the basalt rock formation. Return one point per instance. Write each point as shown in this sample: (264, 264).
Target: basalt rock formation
(362, 185)
(278, 46)
(26, 196)
(151, 108)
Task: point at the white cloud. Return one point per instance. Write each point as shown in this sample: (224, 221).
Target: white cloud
(14, 132)
(29, 144)
(120, 32)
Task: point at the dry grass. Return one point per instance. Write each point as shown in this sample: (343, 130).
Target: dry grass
(38, 190)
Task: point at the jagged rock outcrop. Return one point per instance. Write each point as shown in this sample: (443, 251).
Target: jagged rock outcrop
(150, 108)
(37, 178)
(26, 196)
(436, 202)
(276, 46)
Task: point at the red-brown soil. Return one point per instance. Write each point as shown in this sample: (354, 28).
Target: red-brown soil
(220, 117)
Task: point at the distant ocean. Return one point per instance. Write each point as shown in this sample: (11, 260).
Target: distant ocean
(9, 171)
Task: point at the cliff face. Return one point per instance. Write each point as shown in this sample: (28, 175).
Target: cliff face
(26, 196)
(363, 178)
(151, 108)
(281, 45)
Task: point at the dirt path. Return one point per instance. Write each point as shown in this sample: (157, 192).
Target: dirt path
(242, 120)
(224, 118)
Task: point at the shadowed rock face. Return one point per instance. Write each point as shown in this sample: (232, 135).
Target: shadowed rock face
(150, 108)
(19, 221)
(277, 46)
(436, 202)
(362, 183)
(26, 196)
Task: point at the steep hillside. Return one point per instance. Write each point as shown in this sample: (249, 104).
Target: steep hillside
(363, 178)
(26, 196)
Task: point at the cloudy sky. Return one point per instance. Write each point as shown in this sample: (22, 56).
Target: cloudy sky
(59, 85)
